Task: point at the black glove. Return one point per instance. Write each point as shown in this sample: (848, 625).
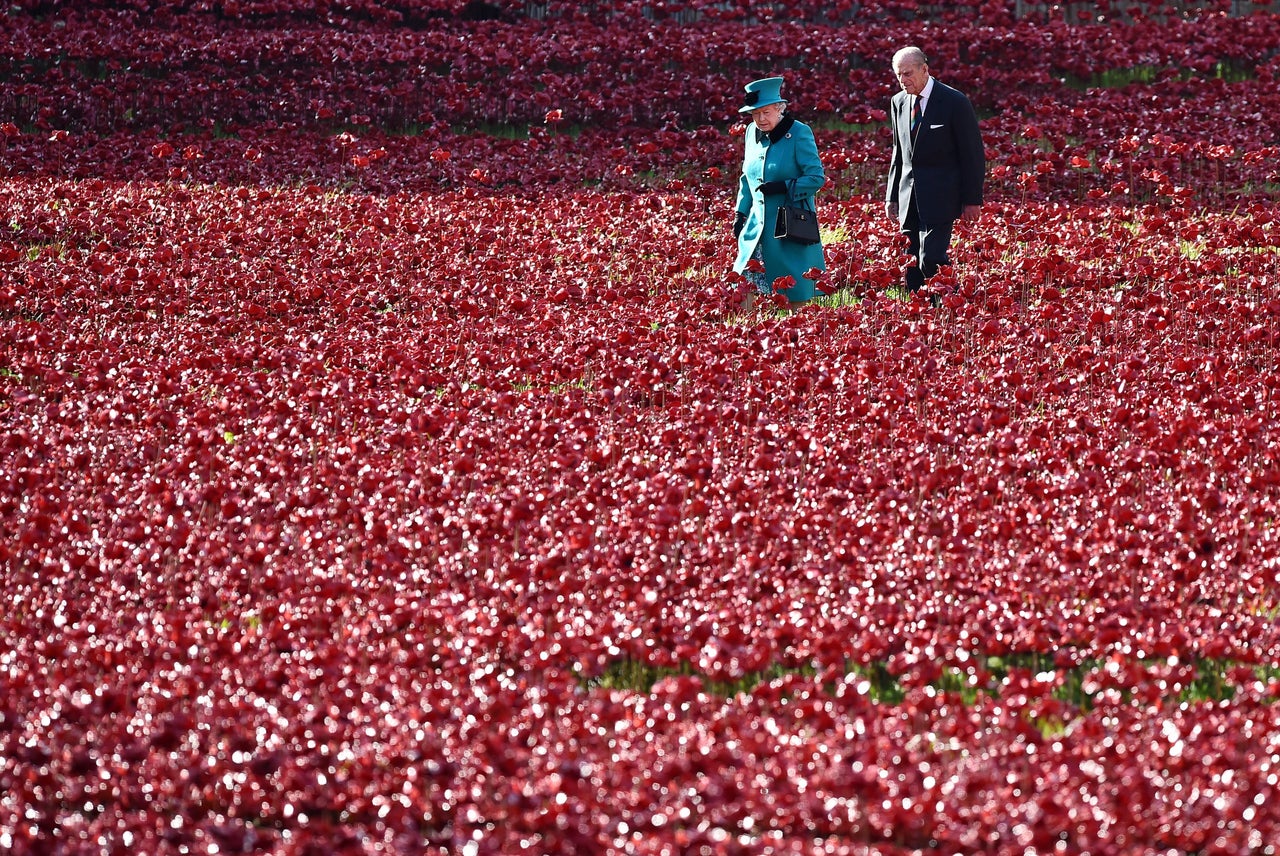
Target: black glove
(738, 223)
(773, 188)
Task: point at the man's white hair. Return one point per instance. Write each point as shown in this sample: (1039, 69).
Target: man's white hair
(911, 54)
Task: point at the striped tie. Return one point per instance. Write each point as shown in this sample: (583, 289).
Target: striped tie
(916, 115)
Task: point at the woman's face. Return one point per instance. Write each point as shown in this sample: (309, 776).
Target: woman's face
(768, 117)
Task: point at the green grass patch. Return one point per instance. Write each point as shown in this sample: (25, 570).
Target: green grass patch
(527, 386)
(835, 124)
(1078, 685)
(1258, 250)
(636, 676)
(843, 297)
(503, 130)
(1117, 78)
(837, 234)
(1191, 250)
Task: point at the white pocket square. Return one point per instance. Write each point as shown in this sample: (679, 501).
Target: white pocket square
(934, 127)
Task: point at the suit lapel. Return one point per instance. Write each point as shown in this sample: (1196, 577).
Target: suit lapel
(931, 111)
(904, 113)
(904, 119)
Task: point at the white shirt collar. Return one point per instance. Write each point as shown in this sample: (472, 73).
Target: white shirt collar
(927, 91)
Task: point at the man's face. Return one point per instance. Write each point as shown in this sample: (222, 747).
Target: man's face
(912, 76)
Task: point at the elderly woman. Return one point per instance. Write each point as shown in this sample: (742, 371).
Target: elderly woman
(780, 167)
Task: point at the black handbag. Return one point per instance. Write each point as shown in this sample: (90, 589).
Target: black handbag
(796, 224)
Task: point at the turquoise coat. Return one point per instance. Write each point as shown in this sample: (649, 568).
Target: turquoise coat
(787, 153)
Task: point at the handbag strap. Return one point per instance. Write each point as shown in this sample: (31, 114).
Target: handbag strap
(792, 202)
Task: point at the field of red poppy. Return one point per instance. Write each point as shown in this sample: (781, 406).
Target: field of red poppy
(384, 467)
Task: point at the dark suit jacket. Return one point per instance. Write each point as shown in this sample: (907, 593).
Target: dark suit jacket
(945, 167)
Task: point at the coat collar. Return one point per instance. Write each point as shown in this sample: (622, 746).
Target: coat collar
(779, 131)
(932, 88)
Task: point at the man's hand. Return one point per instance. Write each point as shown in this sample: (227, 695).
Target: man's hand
(891, 210)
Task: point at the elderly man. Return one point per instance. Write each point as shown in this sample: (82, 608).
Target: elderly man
(938, 166)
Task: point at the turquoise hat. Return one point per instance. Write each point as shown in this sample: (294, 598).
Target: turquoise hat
(762, 93)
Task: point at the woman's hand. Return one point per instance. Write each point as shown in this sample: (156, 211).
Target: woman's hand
(738, 223)
(773, 188)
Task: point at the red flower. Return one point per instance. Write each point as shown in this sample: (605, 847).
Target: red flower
(755, 266)
(783, 283)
